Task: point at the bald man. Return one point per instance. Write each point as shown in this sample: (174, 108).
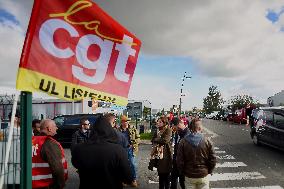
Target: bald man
(49, 167)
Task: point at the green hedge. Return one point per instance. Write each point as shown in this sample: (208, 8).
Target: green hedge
(146, 136)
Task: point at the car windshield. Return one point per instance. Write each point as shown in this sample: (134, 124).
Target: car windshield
(59, 121)
(72, 120)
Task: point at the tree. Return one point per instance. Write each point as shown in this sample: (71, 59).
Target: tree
(159, 114)
(213, 101)
(241, 101)
(146, 111)
(194, 109)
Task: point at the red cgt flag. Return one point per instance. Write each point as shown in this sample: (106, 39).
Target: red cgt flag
(74, 50)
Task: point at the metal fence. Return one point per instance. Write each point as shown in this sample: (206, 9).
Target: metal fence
(10, 175)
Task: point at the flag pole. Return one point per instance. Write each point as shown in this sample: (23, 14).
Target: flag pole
(26, 140)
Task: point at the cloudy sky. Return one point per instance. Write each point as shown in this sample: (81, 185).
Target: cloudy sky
(236, 45)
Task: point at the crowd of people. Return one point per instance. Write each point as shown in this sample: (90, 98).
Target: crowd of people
(104, 154)
(192, 158)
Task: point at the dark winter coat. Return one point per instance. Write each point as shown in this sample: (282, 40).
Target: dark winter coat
(102, 162)
(122, 140)
(178, 135)
(79, 137)
(195, 157)
(164, 138)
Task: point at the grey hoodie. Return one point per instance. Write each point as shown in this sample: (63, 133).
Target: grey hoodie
(194, 138)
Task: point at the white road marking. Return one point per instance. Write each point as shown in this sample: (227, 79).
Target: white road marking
(216, 148)
(230, 164)
(260, 187)
(236, 176)
(153, 182)
(226, 157)
(220, 152)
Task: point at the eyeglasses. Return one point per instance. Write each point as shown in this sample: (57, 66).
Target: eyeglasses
(86, 124)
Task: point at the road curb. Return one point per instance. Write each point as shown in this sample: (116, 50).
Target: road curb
(147, 142)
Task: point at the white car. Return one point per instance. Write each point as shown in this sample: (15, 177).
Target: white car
(212, 115)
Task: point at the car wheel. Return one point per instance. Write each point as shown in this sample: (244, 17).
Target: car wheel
(255, 140)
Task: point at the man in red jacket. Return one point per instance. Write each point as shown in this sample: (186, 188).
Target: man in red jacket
(49, 167)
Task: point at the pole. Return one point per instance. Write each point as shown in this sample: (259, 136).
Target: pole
(151, 118)
(26, 140)
(73, 108)
(179, 106)
(181, 94)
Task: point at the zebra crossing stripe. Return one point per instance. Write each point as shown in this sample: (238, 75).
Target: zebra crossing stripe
(236, 176)
(220, 152)
(225, 157)
(153, 182)
(260, 187)
(230, 164)
(216, 148)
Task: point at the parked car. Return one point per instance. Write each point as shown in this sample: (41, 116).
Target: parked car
(219, 116)
(68, 124)
(227, 116)
(201, 115)
(212, 115)
(240, 116)
(268, 127)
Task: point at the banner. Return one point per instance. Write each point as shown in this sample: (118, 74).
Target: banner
(74, 50)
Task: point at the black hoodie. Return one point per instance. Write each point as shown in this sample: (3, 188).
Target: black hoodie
(101, 162)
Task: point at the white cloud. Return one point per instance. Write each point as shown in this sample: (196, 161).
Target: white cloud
(228, 39)
(155, 89)
(12, 40)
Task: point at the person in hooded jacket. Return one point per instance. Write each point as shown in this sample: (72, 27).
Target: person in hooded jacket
(102, 162)
(121, 138)
(196, 157)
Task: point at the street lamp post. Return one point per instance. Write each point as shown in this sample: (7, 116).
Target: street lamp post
(181, 93)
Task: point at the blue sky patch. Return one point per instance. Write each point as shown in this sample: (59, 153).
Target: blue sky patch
(274, 16)
(6, 16)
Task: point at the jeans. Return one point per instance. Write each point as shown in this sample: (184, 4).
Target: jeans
(132, 161)
(197, 183)
(174, 178)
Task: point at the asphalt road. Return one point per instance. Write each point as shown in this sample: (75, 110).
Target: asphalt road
(259, 167)
(241, 164)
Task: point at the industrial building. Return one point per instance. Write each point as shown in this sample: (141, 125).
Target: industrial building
(50, 108)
